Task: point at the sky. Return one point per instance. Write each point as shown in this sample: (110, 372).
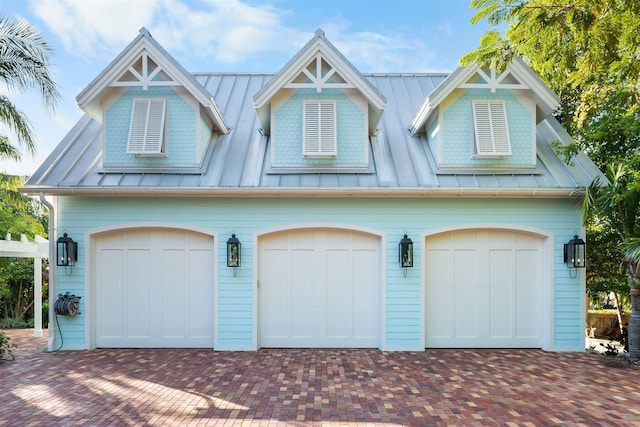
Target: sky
(230, 36)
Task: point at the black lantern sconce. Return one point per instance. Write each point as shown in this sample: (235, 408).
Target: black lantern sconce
(574, 254)
(233, 252)
(405, 253)
(67, 253)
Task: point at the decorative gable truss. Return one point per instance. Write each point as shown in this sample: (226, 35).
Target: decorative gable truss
(144, 72)
(319, 66)
(502, 109)
(517, 77)
(319, 75)
(319, 111)
(146, 68)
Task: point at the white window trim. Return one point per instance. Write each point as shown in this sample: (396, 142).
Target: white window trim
(491, 129)
(319, 132)
(147, 127)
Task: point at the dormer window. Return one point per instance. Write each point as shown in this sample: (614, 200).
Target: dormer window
(146, 130)
(491, 130)
(319, 129)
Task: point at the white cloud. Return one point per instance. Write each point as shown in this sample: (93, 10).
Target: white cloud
(374, 52)
(228, 31)
(94, 28)
(446, 28)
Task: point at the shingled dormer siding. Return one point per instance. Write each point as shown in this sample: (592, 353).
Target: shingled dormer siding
(287, 130)
(182, 131)
(456, 148)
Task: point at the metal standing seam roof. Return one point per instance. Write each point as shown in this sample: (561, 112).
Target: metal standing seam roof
(238, 163)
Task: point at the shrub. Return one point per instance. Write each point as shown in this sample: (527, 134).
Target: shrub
(6, 348)
(15, 323)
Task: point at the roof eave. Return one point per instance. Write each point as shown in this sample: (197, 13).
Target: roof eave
(357, 192)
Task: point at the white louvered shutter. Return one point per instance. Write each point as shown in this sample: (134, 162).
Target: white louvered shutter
(491, 128)
(146, 130)
(319, 128)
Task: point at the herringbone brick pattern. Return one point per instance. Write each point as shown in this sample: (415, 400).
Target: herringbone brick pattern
(164, 387)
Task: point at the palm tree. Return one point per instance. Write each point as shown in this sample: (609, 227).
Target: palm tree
(617, 206)
(24, 65)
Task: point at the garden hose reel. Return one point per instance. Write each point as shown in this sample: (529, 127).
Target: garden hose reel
(67, 305)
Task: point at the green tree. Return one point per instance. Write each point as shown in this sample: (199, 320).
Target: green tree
(618, 207)
(24, 65)
(588, 52)
(19, 214)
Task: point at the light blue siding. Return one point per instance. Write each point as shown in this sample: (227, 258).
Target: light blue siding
(433, 136)
(180, 133)
(287, 131)
(457, 131)
(205, 135)
(390, 218)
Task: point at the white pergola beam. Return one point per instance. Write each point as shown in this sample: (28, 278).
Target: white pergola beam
(37, 250)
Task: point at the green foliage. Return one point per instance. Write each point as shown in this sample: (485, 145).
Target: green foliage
(587, 51)
(19, 215)
(604, 258)
(24, 65)
(15, 323)
(6, 348)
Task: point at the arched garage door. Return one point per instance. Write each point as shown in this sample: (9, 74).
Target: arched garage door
(319, 288)
(483, 289)
(154, 288)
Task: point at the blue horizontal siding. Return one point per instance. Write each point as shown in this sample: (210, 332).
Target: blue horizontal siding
(393, 217)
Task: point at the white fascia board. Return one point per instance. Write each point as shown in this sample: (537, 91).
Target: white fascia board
(119, 65)
(522, 71)
(439, 94)
(351, 74)
(421, 117)
(216, 116)
(320, 45)
(111, 72)
(355, 192)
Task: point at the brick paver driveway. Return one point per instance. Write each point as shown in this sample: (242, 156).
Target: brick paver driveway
(303, 387)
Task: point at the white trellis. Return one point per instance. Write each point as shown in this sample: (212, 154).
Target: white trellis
(37, 250)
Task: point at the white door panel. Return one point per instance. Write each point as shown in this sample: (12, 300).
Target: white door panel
(483, 289)
(154, 288)
(319, 288)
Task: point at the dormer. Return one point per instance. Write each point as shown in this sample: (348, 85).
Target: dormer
(154, 113)
(319, 111)
(480, 119)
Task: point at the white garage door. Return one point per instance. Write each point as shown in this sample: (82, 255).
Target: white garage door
(154, 288)
(319, 288)
(483, 289)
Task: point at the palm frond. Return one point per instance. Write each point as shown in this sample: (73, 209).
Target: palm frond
(24, 60)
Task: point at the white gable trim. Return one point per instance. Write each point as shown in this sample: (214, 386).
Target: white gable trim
(546, 100)
(145, 45)
(320, 46)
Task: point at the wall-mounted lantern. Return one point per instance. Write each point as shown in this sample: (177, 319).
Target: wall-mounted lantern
(574, 254)
(233, 252)
(405, 253)
(67, 251)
